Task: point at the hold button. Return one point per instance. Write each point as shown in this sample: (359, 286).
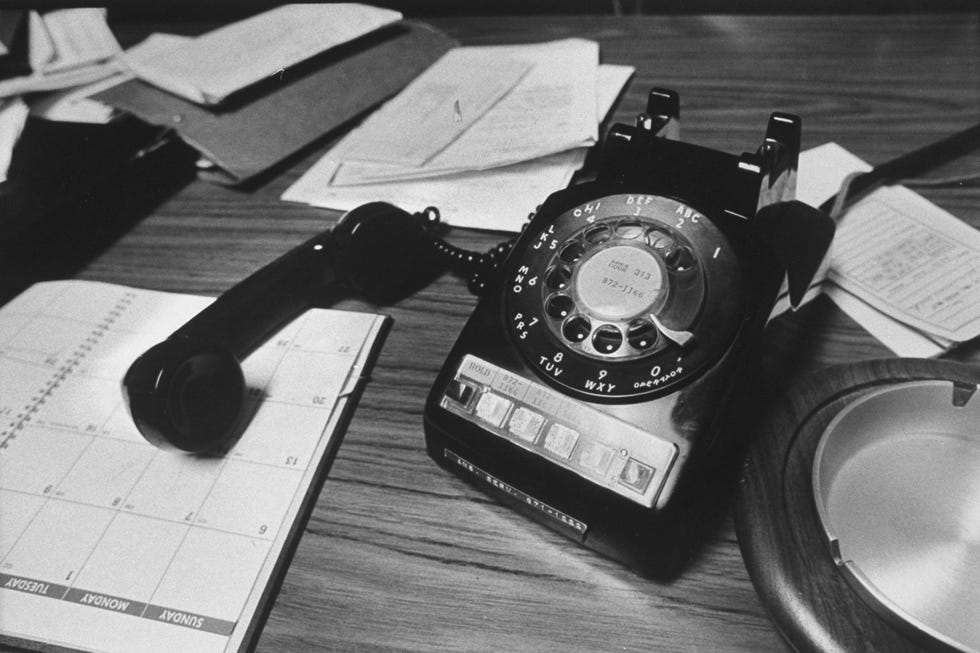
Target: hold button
(459, 392)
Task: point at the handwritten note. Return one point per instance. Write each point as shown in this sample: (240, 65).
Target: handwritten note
(887, 255)
(899, 253)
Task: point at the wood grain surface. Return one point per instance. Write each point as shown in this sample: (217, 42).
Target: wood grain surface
(400, 555)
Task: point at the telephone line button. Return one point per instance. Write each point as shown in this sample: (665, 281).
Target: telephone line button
(560, 440)
(525, 424)
(460, 392)
(492, 408)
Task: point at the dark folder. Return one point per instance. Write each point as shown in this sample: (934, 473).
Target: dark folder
(13, 37)
(265, 124)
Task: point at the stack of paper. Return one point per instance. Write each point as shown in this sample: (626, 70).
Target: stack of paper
(208, 69)
(66, 48)
(284, 107)
(72, 47)
(903, 268)
(485, 135)
(73, 103)
(76, 104)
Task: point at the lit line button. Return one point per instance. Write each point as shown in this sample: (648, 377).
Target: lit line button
(492, 408)
(636, 475)
(561, 440)
(525, 424)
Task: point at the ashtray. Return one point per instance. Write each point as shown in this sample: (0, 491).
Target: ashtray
(858, 508)
(896, 480)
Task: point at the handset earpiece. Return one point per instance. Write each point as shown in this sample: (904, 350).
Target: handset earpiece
(800, 237)
(188, 391)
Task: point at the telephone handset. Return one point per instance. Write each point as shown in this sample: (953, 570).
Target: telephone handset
(594, 381)
(187, 391)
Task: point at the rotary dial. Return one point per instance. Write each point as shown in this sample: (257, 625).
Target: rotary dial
(623, 296)
(611, 285)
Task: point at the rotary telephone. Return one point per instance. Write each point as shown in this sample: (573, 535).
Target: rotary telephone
(599, 370)
(598, 377)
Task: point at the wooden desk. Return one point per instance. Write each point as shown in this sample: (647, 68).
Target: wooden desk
(399, 554)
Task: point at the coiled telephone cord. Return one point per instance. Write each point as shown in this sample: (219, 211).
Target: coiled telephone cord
(479, 269)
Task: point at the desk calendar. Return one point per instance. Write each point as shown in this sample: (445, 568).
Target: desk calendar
(109, 544)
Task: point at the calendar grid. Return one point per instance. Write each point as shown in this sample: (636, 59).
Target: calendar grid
(48, 388)
(95, 519)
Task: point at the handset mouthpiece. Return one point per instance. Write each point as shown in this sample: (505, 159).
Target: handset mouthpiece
(185, 394)
(188, 391)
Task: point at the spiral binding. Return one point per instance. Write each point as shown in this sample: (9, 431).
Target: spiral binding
(68, 366)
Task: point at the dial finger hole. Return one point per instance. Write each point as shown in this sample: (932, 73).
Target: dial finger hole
(598, 234)
(558, 277)
(576, 329)
(572, 252)
(659, 239)
(559, 306)
(629, 229)
(680, 259)
(641, 334)
(607, 339)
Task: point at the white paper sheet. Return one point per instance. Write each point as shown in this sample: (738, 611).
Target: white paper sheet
(498, 199)
(58, 80)
(75, 38)
(68, 48)
(434, 109)
(552, 109)
(899, 253)
(13, 117)
(901, 339)
(40, 47)
(74, 105)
